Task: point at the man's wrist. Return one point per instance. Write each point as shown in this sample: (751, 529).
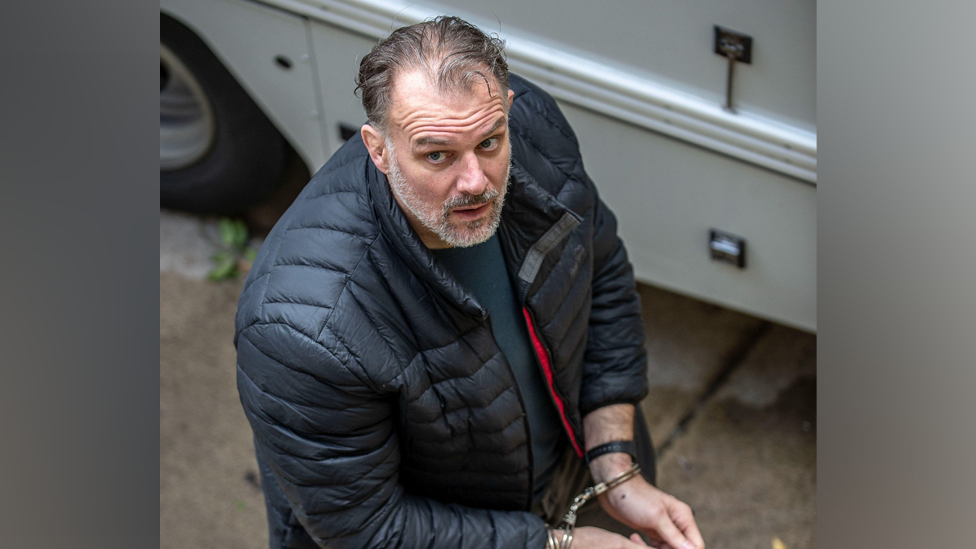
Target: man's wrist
(608, 424)
(608, 466)
(625, 446)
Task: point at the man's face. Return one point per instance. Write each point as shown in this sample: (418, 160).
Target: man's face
(447, 157)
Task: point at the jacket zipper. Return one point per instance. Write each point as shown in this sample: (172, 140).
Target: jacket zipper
(543, 355)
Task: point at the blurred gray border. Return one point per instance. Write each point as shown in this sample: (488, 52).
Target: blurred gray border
(897, 300)
(79, 328)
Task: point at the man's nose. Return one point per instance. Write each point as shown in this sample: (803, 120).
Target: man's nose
(472, 179)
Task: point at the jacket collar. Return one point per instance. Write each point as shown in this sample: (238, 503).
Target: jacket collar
(533, 223)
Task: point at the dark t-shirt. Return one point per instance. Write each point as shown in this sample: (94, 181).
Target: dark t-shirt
(481, 269)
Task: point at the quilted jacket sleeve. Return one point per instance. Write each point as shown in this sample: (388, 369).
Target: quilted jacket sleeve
(615, 362)
(327, 433)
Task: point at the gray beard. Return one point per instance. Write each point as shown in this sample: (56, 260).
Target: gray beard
(461, 234)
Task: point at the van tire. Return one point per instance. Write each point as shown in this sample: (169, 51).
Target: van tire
(235, 155)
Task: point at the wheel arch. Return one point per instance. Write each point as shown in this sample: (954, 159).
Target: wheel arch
(288, 98)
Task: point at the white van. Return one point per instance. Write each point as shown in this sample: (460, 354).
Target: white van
(697, 120)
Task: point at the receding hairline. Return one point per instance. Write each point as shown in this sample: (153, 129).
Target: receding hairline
(448, 48)
(479, 76)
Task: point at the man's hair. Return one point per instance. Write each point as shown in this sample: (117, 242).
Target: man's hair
(453, 53)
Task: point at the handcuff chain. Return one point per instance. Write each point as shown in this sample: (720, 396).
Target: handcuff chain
(568, 524)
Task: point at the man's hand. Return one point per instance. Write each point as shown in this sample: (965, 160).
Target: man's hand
(667, 521)
(590, 537)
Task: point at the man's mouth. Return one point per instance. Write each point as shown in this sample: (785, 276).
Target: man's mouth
(470, 213)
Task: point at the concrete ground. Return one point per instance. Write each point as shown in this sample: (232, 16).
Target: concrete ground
(732, 410)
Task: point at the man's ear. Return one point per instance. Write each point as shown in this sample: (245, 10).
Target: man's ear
(376, 145)
(511, 97)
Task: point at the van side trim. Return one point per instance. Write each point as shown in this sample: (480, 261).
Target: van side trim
(594, 86)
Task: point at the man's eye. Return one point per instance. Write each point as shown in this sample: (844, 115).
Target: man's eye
(438, 156)
(489, 143)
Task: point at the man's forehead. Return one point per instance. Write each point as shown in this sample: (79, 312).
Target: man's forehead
(415, 98)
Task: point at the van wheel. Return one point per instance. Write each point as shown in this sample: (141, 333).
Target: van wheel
(218, 153)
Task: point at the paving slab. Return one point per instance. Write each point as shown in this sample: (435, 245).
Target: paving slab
(689, 342)
(209, 493)
(778, 360)
(747, 461)
(187, 243)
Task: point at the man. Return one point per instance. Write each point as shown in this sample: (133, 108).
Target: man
(445, 322)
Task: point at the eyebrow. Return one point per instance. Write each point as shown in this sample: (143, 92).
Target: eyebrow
(423, 141)
(432, 141)
(498, 124)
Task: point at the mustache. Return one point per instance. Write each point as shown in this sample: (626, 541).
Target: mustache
(465, 199)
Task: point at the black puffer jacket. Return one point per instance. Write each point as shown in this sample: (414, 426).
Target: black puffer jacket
(384, 412)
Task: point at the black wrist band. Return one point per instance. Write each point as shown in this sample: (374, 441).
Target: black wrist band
(625, 446)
